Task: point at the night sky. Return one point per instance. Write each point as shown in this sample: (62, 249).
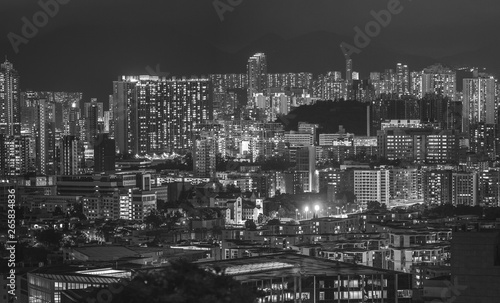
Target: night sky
(89, 43)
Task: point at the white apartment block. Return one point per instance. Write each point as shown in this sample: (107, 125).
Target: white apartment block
(371, 185)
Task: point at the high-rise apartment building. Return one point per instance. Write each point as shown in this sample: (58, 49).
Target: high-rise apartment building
(44, 130)
(418, 144)
(437, 187)
(91, 122)
(439, 80)
(464, 188)
(348, 69)
(15, 155)
(478, 103)
(204, 155)
(71, 155)
(375, 76)
(372, 185)
(402, 79)
(416, 84)
(257, 75)
(104, 154)
(442, 147)
(10, 100)
(156, 115)
(405, 184)
(489, 188)
(484, 140)
(88, 108)
(306, 162)
(290, 80)
(402, 143)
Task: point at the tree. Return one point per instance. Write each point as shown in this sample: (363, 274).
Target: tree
(153, 220)
(217, 231)
(274, 222)
(77, 211)
(375, 205)
(231, 188)
(184, 282)
(250, 224)
(260, 218)
(58, 211)
(281, 212)
(49, 237)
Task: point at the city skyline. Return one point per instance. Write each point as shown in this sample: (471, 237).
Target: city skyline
(250, 151)
(222, 46)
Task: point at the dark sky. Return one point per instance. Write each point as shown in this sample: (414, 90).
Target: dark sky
(88, 43)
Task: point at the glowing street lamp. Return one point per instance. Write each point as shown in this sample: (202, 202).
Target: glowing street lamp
(316, 209)
(307, 210)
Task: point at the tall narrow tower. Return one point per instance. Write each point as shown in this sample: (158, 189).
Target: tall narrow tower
(257, 75)
(348, 69)
(10, 100)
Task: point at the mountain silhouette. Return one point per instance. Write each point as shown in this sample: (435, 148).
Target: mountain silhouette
(89, 59)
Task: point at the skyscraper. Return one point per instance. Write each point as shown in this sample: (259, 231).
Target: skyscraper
(104, 154)
(257, 75)
(402, 80)
(156, 115)
(484, 140)
(73, 117)
(437, 187)
(416, 84)
(439, 80)
(10, 100)
(204, 152)
(45, 138)
(464, 188)
(478, 102)
(372, 185)
(348, 69)
(91, 123)
(87, 108)
(306, 162)
(71, 156)
(15, 156)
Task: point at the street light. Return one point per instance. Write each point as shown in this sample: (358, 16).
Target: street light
(307, 210)
(316, 209)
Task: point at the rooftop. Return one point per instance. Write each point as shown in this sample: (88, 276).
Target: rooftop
(288, 264)
(105, 252)
(78, 278)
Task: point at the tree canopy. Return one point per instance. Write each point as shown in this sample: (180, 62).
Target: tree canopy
(250, 224)
(49, 237)
(375, 205)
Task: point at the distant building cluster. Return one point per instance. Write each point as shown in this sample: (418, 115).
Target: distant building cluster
(223, 169)
(418, 118)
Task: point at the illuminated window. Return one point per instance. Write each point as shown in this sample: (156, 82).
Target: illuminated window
(321, 295)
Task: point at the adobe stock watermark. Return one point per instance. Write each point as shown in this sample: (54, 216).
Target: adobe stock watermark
(223, 6)
(372, 28)
(30, 28)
